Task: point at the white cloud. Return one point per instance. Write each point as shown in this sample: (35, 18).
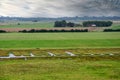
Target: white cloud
(58, 8)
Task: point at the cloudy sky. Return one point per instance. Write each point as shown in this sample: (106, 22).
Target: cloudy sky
(59, 8)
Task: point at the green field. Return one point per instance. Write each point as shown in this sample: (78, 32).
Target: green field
(116, 26)
(96, 53)
(59, 69)
(60, 40)
(40, 25)
(28, 25)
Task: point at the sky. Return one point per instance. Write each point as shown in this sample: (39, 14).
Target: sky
(59, 8)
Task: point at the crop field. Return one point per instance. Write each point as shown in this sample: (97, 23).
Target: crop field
(60, 40)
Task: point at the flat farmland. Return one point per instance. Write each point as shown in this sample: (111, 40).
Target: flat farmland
(27, 25)
(99, 66)
(14, 27)
(59, 69)
(60, 40)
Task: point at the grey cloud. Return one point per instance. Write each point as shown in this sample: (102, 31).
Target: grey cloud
(61, 8)
(95, 7)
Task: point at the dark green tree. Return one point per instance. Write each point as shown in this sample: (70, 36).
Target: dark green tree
(70, 24)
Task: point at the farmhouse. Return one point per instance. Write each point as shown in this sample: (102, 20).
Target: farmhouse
(93, 25)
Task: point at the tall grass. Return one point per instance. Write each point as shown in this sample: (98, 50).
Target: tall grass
(59, 69)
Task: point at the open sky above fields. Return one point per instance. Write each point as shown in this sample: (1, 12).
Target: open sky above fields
(59, 8)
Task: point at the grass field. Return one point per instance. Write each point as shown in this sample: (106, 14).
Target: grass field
(59, 69)
(101, 65)
(116, 25)
(28, 25)
(54, 68)
(60, 40)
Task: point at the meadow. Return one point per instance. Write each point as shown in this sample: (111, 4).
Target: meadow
(116, 25)
(28, 25)
(60, 40)
(59, 69)
(43, 24)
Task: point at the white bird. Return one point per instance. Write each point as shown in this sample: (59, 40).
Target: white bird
(69, 53)
(32, 55)
(11, 55)
(91, 54)
(51, 54)
(111, 54)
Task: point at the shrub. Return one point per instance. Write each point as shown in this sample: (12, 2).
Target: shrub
(111, 30)
(2, 31)
(62, 30)
(97, 23)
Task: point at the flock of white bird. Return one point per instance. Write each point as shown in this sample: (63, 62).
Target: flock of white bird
(11, 55)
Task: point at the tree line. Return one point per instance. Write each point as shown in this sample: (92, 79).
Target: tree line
(2, 31)
(51, 30)
(63, 23)
(111, 30)
(62, 30)
(97, 23)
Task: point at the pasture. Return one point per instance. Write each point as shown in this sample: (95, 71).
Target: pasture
(116, 25)
(100, 66)
(16, 26)
(27, 25)
(40, 24)
(60, 69)
(60, 40)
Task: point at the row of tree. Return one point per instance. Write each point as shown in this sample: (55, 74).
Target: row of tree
(111, 30)
(97, 23)
(45, 30)
(2, 31)
(63, 23)
(62, 30)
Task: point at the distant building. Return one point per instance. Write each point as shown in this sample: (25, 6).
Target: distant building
(93, 25)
